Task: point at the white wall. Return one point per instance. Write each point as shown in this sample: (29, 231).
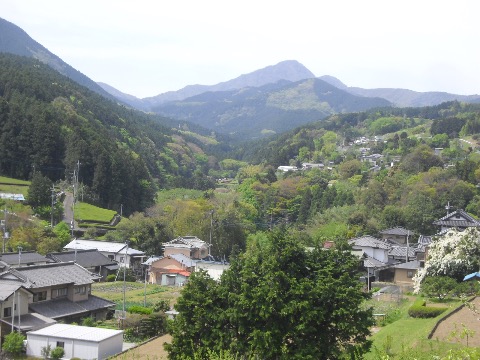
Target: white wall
(76, 348)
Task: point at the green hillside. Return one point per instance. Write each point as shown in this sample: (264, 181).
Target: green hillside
(51, 124)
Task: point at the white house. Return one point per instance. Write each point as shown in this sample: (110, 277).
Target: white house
(113, 250)
(77, 341)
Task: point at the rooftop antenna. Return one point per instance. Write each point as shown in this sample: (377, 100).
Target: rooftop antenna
(448, 207)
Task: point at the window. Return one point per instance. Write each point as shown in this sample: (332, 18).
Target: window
(80, 290)
(40, 296)
(410, 274)
(111, 257)
(59, 292)
(61, 344)
(7, 312)
(121, 259)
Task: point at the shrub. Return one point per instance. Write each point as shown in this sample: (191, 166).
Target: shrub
(13, 343)
(110, 278)
(137, 309)
(57, 353)
(420, 310)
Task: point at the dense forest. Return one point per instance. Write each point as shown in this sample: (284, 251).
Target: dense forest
(50, 124)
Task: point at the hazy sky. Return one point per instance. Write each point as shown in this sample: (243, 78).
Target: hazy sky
(145, 48)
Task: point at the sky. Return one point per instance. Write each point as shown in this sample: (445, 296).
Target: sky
(148, 47)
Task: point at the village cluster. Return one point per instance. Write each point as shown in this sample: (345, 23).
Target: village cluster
(41, 295)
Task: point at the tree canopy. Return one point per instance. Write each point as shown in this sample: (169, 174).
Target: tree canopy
(276, 301)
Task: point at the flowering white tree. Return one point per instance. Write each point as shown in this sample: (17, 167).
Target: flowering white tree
(455, 254)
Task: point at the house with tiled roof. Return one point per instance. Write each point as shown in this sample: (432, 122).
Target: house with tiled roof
(398, 234)
(170, 270)
(405, 272)
(190, 246)
(14, 312)
(399, 253)
(23, 258)
(121, 253)
(92, 260)
(60, 291)
(372, 247)
(458, 219)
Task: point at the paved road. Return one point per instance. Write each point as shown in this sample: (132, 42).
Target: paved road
(68, 209)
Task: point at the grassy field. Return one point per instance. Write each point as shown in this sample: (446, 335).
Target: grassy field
(13, 186)
(135, 293)
(407, 337)
(91, 213)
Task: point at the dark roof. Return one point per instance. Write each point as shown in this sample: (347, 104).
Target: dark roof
(86, 258)
(425, 240)
(458, 218)
(52, 274)
(27, 257)
(412, 265)
(30, 321)
(60, 308)
(399, 231)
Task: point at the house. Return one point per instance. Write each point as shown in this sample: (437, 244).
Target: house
(14, 315)
(286, 168)
(405, 272)
(60, 291)
(375, 256)
(170, 270)
(307, 166)
(458, 219)
(119, 252)
(213, 268)
(398, 234)
(372, 247)
(92, 260)
(374, 159)
(190, 246)
(81, 342)
(399, 253)
(23, 258)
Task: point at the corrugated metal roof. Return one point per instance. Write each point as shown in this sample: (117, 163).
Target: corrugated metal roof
(86, 333)
(103, 246)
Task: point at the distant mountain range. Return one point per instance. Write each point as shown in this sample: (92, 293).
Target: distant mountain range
(270, 100)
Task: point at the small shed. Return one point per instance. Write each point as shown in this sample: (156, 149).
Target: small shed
(78, 341)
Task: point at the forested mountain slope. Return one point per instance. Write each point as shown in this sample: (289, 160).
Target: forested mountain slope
(48, 123)
(255, 112)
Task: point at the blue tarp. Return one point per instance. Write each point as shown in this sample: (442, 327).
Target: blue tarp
(472, 276)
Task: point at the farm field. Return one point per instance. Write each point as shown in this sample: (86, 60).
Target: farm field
(135, 293)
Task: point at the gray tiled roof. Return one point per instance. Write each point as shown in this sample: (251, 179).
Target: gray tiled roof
(400, 251)
(55, 274)
(185, 241)
(59, 308)
(27, 257)
(369, 241)
(85, 258)
(397, 231)
(458, 218)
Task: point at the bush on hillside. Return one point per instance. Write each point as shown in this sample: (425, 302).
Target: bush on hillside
(420, 310)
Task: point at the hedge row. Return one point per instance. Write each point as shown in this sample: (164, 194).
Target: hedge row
(420, 310)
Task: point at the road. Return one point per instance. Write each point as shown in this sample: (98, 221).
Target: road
(68, 209)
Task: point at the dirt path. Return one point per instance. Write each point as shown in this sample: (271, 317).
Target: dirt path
(463, 319)
(153, 350)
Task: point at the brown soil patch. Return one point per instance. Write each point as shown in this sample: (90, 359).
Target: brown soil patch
(152, 350)
(465, 318)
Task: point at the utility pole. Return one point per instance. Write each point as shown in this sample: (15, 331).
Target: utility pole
(53, 203)
(211, 229)
(5, 232)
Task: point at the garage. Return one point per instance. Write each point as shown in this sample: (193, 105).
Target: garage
(77, 341)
